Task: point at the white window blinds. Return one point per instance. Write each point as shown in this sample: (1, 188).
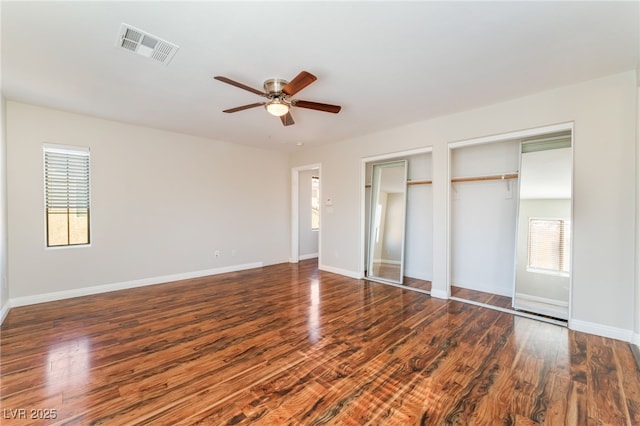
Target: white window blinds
(548, 247)
(67, 195)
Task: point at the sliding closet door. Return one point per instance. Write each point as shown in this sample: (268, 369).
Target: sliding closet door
(543, 260)
(387, 222)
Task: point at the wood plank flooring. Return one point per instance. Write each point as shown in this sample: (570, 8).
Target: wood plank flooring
(498, 301)
(482, 297)
(416, 283)
(287, 344)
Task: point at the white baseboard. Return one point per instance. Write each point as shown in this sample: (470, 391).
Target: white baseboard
(387, 261)
(86, 291)
(339, 271)
(635, 339)
(554, 302)
(601, 330)
(308, 256)
(4, 311)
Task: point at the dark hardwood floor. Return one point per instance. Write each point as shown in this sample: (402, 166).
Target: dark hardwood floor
(416, 283)
(482, 297)
(287, 344)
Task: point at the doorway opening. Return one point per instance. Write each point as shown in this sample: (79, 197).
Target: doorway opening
(306, 220)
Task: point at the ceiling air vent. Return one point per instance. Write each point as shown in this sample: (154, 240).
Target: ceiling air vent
(145, 44)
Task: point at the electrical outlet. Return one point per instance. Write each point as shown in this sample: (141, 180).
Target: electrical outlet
(216, 253)
(234, 252)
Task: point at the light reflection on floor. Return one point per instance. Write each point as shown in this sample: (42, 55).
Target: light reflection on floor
(68, 364)
(313, 323)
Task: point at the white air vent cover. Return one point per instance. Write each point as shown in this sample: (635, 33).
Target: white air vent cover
(145, 44)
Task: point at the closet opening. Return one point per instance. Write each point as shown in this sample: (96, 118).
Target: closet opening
(397, 219)
(510, 220)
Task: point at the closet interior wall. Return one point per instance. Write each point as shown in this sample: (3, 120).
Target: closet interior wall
(483, 216)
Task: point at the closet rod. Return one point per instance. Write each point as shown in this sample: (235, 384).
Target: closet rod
(410, 182)
(483, 178)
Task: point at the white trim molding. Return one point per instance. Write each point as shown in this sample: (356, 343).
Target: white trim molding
(4, 311)
(518, 134)
(87, 291)
(340, 271)
(307, 256)
(601, 330)
(554, 302)
(295, 207)
(439, 293)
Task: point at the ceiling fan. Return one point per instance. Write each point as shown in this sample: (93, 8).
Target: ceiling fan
(279, 96)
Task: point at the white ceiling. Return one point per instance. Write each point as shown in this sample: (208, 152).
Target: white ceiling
(385, 63)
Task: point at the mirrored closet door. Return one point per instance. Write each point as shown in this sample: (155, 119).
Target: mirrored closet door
(386, 236)
(543, 243)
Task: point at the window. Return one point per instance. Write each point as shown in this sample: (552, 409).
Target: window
(315, 203)
(66, 181)
(548, 247)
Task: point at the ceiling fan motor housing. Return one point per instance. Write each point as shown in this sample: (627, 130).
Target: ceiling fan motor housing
(274, 86)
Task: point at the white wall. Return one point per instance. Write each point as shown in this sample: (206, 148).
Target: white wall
(419, 233)
(308, 238)
(604, 115)
(4, 291)
(636, 336)
(162, 203)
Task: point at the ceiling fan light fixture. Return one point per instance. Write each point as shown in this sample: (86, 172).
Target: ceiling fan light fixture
(277, 107)
(279, 94)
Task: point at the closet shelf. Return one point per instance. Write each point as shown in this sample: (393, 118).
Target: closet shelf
(503, 176)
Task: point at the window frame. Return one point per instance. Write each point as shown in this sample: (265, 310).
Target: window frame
(73, 149)
(566, 225)
(315, 180)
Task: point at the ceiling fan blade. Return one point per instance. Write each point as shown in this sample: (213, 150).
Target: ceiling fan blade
(301, 81)
(240, 85)
(243, 107)
(318, 106)
(287, 119)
